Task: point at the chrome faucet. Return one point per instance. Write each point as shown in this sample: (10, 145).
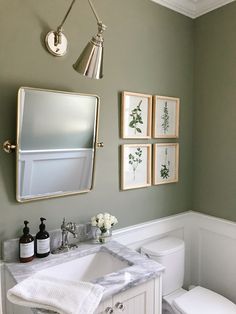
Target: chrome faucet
(66, 228)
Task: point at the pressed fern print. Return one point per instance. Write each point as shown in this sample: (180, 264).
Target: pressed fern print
(165, 118)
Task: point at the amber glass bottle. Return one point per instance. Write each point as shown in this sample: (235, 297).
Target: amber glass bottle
(26, 245)
(42, 241)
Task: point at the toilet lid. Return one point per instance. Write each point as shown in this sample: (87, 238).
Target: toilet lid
(164, 246)
(204, 301)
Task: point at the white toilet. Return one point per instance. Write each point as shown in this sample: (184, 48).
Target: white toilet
(170, 252)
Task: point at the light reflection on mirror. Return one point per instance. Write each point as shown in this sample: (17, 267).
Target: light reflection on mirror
(56, 143)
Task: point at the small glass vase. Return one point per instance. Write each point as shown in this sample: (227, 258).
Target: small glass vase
(103, 237)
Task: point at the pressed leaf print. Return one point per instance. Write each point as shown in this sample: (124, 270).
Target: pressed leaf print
(165, 168)
(165, 118)
(136, 118)
(135, 160)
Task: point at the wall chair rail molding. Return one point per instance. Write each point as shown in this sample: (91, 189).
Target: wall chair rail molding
(133, 235)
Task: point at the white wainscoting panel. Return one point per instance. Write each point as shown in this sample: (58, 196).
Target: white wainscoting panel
(210, 242)
(176, 225)
(213, 262)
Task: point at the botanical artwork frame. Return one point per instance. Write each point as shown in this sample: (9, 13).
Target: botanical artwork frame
(136, 173)
(136, 115)
(165, 163)
(165, 117)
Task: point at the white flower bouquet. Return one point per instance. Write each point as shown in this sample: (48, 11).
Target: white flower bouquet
(104, 221)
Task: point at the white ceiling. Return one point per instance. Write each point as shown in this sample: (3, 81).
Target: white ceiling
(193, 8)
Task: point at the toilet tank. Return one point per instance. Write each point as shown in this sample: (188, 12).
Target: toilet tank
(169, 252)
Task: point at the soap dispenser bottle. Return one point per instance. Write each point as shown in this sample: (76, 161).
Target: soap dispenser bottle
(26, 245)
(42, 241)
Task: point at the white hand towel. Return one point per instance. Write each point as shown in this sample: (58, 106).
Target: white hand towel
(62, 296)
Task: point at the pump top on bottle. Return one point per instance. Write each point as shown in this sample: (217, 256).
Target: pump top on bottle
(42, 240)
(26, 228)
(26, 245)
(42, 226)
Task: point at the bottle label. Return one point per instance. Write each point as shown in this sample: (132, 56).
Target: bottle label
(43, 246)
(26, 249)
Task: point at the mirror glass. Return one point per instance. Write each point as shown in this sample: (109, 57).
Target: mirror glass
(56, 143)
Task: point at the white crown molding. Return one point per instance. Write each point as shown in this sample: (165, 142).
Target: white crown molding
(204, 7)
(193, 8)
(185, 7)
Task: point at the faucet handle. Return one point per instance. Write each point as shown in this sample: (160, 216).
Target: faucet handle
(73, 227)
(75, 230)
(63, 223)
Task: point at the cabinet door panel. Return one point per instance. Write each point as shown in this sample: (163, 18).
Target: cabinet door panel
(138, 300)
(10, 307)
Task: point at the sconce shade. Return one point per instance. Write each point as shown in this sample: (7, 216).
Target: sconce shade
(90, 62)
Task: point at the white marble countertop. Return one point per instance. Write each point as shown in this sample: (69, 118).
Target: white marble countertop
(140, 267)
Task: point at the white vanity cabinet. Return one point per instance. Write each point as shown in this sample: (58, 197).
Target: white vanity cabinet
(145, 298)
(142, 299)
(10, 307)
(137, 283)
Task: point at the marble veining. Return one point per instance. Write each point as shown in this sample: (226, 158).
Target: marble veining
(140, 268)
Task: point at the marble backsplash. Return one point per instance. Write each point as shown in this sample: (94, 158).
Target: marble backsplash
(10, 248)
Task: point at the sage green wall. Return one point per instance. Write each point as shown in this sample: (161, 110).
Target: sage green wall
(148, 49)
(214, 141)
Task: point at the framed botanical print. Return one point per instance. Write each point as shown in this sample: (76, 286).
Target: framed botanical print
(135, 166)
(165, 117)
(165, 163)
(136, 112)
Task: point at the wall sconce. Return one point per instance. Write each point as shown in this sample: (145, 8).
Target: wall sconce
(90, 62)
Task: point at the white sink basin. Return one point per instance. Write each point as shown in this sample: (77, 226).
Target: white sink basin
(87, 268)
